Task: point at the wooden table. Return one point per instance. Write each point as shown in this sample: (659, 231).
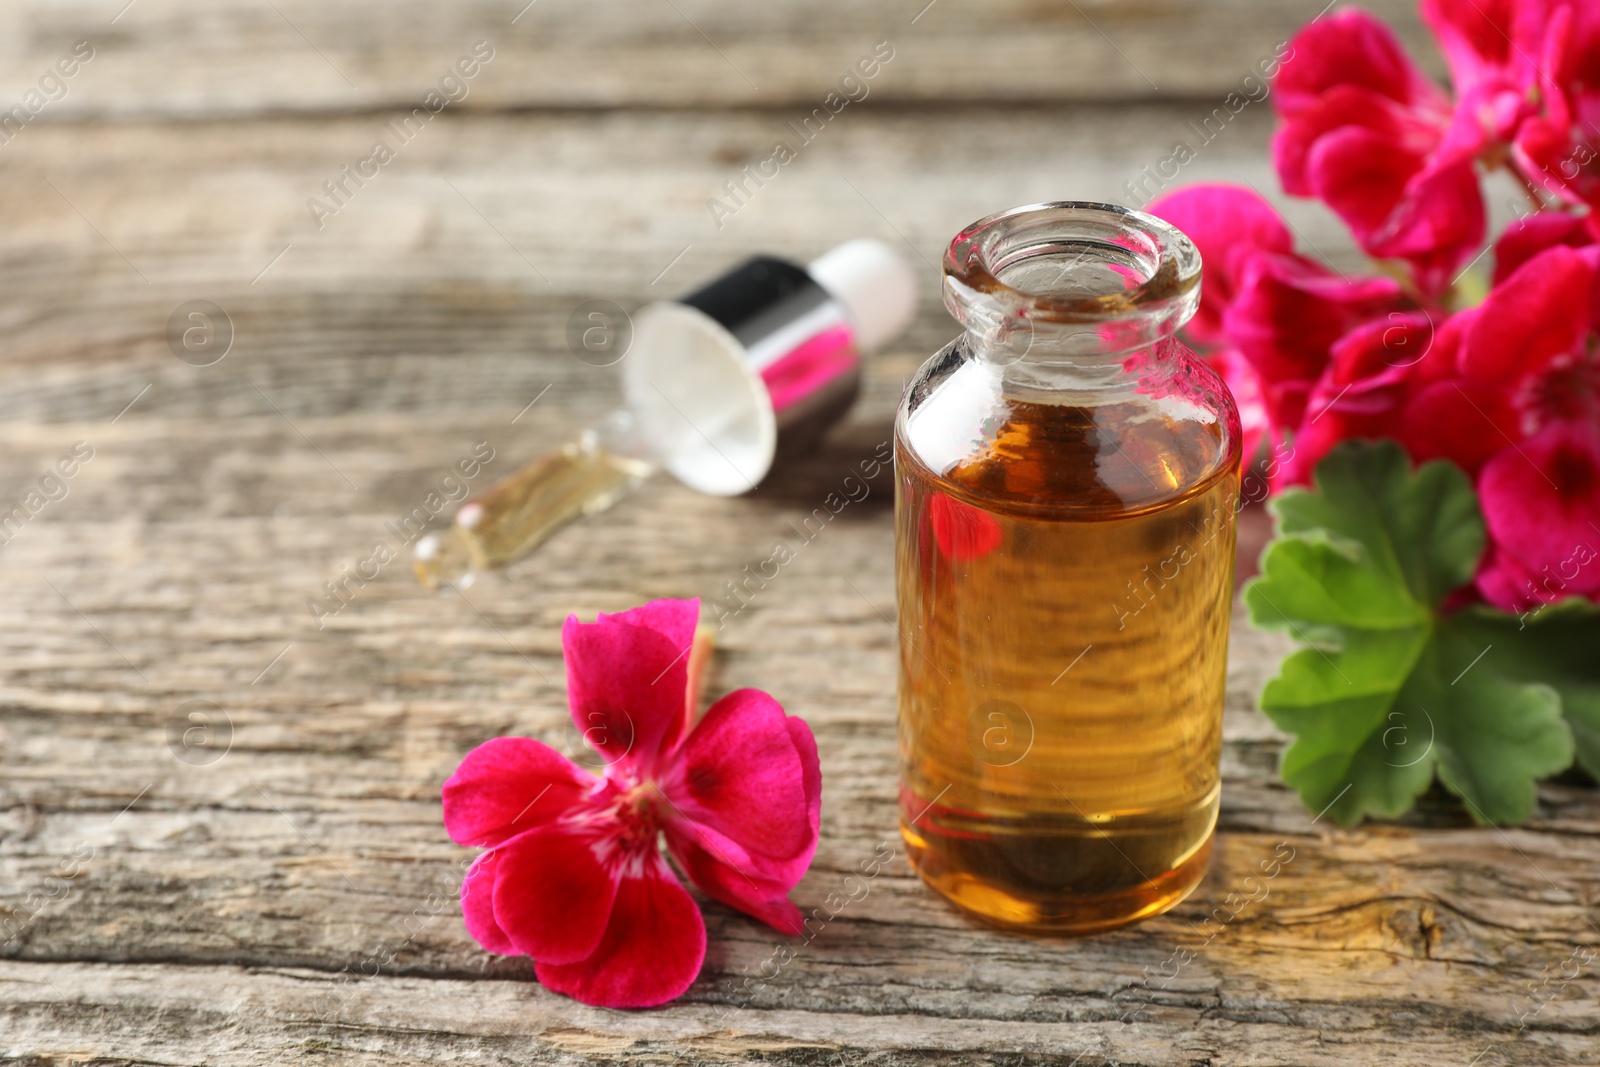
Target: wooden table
(270, 883)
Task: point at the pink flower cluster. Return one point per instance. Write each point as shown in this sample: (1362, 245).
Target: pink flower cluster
(1509, 389)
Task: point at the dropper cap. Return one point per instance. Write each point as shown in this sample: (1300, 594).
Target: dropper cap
(875, 286)
(759, 363)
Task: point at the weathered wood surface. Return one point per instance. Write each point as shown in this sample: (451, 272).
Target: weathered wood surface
(209, 57)
(292, 900)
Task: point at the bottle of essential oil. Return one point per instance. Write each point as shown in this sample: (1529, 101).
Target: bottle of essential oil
(1066, 480)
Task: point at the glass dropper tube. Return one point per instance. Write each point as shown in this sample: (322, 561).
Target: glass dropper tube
(515, 515)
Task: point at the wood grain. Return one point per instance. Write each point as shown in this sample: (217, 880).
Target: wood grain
(313, 845)
(293, 898)
(239, 57)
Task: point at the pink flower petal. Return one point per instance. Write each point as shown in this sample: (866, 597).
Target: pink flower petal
(628, 677)
(1350, 47)
(1556, 151)
(1399, 204)
(673, 619)
(1456, 420)
(805, 746)
(740, 774)
(1541, 503)
(1527, 237)
(1537, 314)
(553, 895)
(1571, 52)
(1364, 391)
(1227, 223)
(477, 906)
(1367, 133)
(1355, 107)
(652, 949)
(755, 885)
(508, 785)
(1505, 583)
(1362, 175)
(1382, 349)
(1286, 317)
(1483, 39)
(1438, 224)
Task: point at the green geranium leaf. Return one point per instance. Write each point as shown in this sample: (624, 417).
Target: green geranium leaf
(1388, 691)
(1557, 645)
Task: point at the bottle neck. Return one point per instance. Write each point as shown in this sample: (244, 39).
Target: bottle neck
(1051, 356)
(1072, 294)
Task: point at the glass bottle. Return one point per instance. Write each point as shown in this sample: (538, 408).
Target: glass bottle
(1067, 475)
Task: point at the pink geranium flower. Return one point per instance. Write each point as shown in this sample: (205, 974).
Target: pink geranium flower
(1527, 237)
(1276, 314)
(1529, 353)
(1375, 371)
(1289, 313)
(574, 875)
(1528, 73)
(1229, 224)
(1493, 48)
(1523, 362)
(1510, 392)
(1488, 42)
(1367, 133)
(1541, 503)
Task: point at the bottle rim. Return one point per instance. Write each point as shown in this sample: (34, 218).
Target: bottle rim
(1160, 260)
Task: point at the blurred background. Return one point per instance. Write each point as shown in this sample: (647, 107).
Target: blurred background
(387, 216)
(177, 164)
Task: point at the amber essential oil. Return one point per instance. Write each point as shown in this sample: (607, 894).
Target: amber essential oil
(1062, 710)
(1065, 546)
